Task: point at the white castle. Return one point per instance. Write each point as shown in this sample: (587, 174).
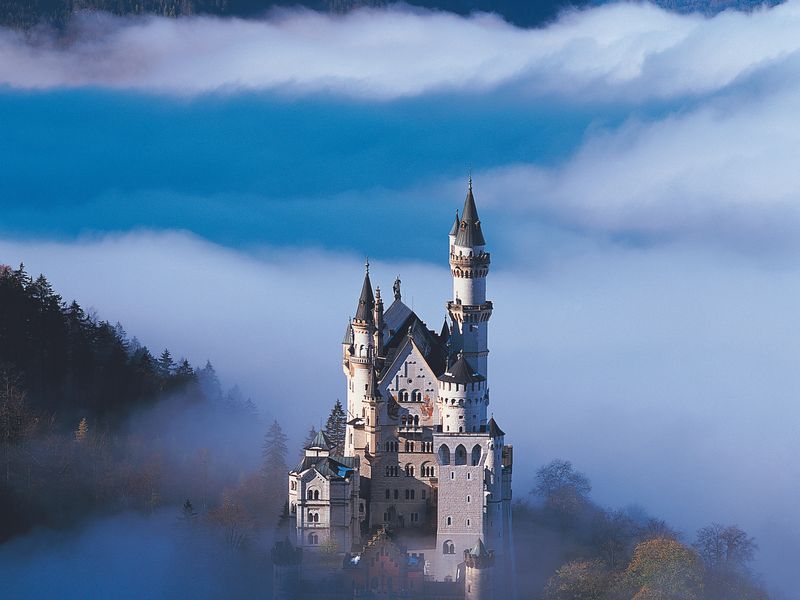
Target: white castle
(421, 457)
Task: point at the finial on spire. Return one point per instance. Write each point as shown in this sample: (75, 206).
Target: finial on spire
(470, 178)
(366, 265)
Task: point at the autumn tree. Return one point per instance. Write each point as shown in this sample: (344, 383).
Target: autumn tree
(662, 569)
(579, 580)
(82, 431)
(336, 427)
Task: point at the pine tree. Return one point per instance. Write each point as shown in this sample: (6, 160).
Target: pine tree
(336, 427)
(274, 452)
(275, 472)
(165, 364)
(312, 433)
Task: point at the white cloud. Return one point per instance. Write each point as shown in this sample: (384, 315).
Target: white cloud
(631, 51)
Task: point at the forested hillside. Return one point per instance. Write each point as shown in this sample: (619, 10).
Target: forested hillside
(23, 14)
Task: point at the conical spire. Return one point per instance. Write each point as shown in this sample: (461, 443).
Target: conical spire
(469, 229)
(479, 549)
(445, 334)
(366, 302)
(454, 228)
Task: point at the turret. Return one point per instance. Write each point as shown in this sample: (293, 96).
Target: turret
(478, 571)
(469, 266)
(359, 365)
(463, 398)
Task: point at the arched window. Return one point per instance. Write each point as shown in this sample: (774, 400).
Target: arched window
(402, 396)
(388, 494)
(449, 521)
(461, 455)
(416, 420)
(444, 455)
(310, 495)
(448, 548)
(313, 539)
(316, 494)
(409, 470)
(416, 396)
(476, 454)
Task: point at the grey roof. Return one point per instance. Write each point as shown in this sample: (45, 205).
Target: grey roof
(461, 372)
(454, 228)
(469, 230)
(348, 334)
(494, 429)
(445, 334)
(320, 441)
(366, 302)
(394, 318)
(479, 549)
(330, 467)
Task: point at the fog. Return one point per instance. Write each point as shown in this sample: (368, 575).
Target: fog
(666, 374)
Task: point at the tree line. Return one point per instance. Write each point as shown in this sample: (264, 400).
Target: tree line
(569, 548)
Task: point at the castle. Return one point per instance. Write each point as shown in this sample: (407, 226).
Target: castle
(418, 502)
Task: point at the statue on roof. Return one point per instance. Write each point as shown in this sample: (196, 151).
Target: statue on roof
(396, 288)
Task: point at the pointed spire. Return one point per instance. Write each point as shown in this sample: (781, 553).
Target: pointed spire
(366, 302)
(454, 228)
(469, 229)
(445, 334)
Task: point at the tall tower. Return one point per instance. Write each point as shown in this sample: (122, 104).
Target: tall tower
(359, 365)
(469, 266)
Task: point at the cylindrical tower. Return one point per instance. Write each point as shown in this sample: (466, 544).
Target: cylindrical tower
(358, 364)
(463, 398)
(478, 572)
(469, 266)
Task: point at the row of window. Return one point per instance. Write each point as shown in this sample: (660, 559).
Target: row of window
(409, 446)
(394, 470)
(461, 455)
(313, 516)
(403, 396)
(414, 517)
(449, 521)
(410, 494)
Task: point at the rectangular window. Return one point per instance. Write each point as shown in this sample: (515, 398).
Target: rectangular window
(424, 494)
(412, 494)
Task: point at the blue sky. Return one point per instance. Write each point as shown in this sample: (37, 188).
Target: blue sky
(635, 171)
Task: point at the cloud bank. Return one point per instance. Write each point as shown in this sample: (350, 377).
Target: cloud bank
(617, 51)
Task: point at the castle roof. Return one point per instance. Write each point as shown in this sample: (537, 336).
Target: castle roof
(366, 301)
(330, 467)
(454, 228)
(479, 549)
(403, 325)
(494, 429)
(348, 335)
(461, 372)
(469, 230)
(320, 441)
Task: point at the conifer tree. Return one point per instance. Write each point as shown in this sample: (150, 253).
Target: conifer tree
(274, 452)
(274, 471)
(165, 364)
(335, 428)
